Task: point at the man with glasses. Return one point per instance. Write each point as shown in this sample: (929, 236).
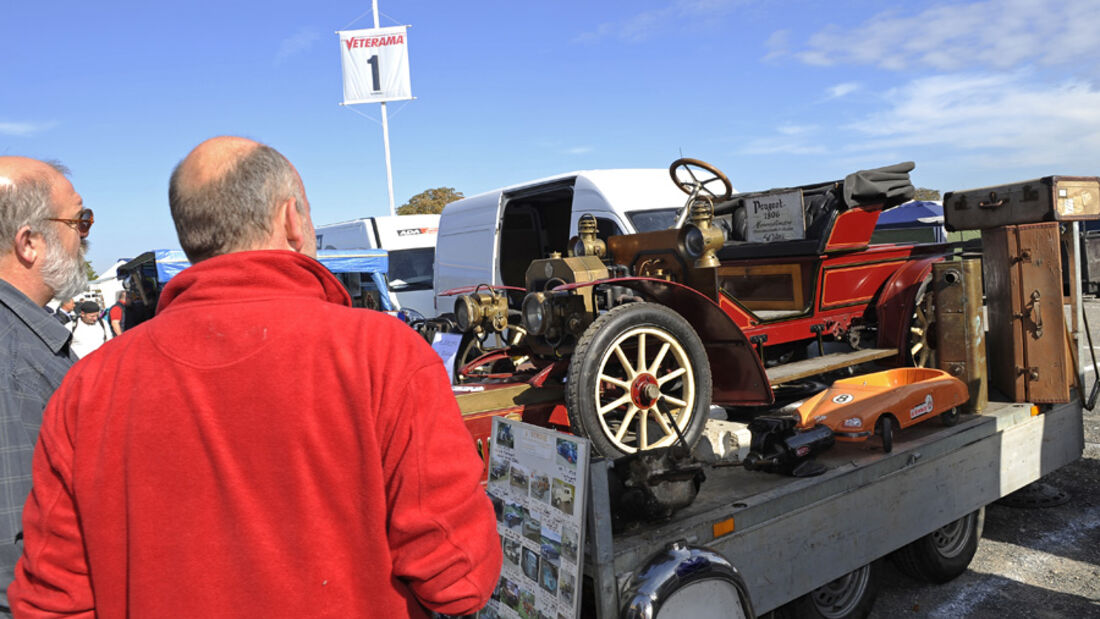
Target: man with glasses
(43, 224)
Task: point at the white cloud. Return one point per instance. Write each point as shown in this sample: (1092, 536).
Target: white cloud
(578, 150)
(778, 44)
(840, 90)
(1000, 34)
(296, 43)
(971, 121)
(680, 13)
(24, 129)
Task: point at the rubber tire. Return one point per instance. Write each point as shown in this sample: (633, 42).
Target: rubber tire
(925, 560)
(950, 418)
(597, 339)
(884, 427)
(806, 607)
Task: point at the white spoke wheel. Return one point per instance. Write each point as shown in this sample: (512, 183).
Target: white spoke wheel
(920, 343)
(634, 367)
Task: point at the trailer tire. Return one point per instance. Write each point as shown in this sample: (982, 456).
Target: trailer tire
(849, 597)
(602, 373)
(944, 553)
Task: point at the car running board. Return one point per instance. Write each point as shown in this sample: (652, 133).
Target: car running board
(790, 372)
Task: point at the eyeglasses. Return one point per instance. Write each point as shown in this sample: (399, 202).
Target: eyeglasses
(83, 222)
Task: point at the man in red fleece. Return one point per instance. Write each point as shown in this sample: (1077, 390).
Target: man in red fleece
(259, 448)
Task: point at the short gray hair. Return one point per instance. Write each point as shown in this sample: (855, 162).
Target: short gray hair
(27, 202)
(234, 212)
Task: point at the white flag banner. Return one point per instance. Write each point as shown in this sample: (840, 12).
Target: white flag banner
(376, 65)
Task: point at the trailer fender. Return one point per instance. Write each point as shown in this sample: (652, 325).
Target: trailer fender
(686, 581)
(738, 375)
(894, 307)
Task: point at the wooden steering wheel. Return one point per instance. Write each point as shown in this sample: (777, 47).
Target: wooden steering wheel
(692, 175)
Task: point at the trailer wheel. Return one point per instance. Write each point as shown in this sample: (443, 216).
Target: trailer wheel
(629, 362)
(884, 427)
(920, 345)
(951, 417)
(944, 553)
(849, 597)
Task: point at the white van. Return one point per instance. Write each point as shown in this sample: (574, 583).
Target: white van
(410, 241)
(492, 237)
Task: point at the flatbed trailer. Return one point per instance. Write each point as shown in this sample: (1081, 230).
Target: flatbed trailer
(788, 536)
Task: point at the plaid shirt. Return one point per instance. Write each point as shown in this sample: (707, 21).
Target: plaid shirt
(34, 356)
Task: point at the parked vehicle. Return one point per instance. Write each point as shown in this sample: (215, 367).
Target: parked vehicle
(410, 241)
(363, 273)
(648, 330)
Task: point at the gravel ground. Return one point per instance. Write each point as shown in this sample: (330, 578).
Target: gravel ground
(1031, 562)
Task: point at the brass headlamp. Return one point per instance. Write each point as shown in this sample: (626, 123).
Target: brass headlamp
(701, 238)
(482, 311)
(586, 243)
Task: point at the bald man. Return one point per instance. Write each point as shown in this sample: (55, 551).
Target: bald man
(259, 448)
(41, 257)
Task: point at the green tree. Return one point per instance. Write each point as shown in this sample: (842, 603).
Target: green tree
(89, 271)
(930, 195)
(429, 201)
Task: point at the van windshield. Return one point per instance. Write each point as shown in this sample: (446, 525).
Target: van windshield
(657, 219)
(411, 269)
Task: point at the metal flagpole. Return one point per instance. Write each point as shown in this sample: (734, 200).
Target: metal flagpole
(385, 130)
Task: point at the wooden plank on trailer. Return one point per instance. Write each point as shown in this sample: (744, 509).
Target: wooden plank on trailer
(789, 372)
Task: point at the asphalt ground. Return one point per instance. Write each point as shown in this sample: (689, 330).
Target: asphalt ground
(1037, 562)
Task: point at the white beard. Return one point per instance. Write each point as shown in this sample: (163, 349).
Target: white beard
(62, 273)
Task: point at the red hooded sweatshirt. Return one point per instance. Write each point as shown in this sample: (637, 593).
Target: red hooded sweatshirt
(259, 449)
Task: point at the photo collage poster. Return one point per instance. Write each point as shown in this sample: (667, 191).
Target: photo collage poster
(537, 483)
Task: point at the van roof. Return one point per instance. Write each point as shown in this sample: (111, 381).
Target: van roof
(643, 188)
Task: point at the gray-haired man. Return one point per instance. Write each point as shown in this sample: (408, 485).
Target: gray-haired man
(43, 224)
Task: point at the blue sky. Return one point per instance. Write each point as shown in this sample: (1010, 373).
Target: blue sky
(775, 93)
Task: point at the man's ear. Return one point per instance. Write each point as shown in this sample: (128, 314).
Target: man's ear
(26, 246)
(293, 225)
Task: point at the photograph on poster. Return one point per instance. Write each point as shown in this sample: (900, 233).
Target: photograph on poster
(540, 487)
(498, 506)
(550, 545)
(505, 437)
(526, 608)
(567, 452)
(513, 516)
(561, 496)
(509, 594)
(532, 526)
(518, 477)
(511, 551)
(548, 576)
(569, 542)
(530, 564)
(498, 470)
(566, 587)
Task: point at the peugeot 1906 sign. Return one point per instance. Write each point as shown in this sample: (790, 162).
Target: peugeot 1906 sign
(375, 62)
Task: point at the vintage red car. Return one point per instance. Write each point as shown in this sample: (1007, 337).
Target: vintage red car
(642, 333)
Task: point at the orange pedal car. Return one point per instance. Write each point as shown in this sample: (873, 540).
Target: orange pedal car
(855, 408)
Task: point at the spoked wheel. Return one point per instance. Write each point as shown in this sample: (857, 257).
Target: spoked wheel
(847, 597)
(944, 553)
(921, 339)
(633, 365)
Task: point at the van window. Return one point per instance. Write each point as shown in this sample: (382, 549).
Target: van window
(651, 221)
(411, 269)
(606, 228)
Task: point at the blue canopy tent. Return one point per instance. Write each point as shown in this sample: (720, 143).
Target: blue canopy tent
(917, 221)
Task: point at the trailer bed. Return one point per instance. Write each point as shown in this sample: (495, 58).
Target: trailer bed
(791, 536)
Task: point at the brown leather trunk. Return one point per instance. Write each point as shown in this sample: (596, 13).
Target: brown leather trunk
(1051, 198)
(1022, 270)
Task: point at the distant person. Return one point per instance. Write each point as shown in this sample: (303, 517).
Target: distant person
(117, 314)
(90, 331)
(258, 448)
(42, 229)
(66, 312)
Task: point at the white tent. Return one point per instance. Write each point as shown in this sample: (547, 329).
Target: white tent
(108, 285)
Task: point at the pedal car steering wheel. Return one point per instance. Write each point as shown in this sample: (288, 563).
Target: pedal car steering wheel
(686, 168)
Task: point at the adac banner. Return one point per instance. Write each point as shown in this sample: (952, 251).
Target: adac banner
(375, 62)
